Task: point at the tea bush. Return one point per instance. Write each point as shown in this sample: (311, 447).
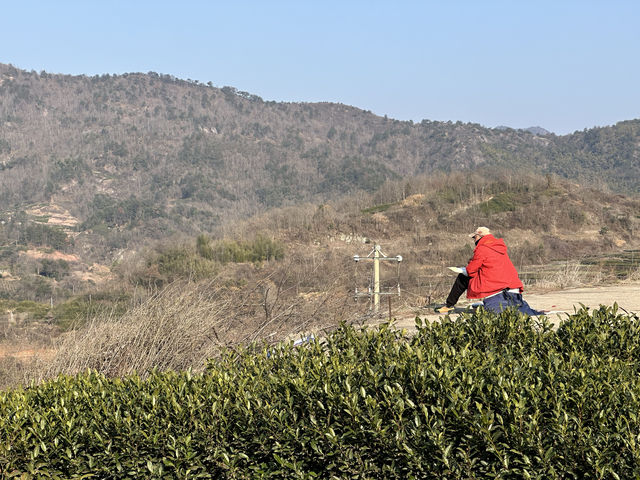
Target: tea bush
(482, 396)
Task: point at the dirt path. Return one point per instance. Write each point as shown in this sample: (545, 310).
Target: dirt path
(626, 295)
(561, 302)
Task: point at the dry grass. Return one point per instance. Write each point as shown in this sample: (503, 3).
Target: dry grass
(173, 329)
(187, 323)
(570, 274)
(23, 346)
(14, 371)
(634, 275)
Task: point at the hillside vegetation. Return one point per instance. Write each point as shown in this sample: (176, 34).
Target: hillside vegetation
(290, 270)
(140, 155)
(543, 219)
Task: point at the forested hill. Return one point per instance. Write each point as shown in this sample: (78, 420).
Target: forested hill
(150, 147)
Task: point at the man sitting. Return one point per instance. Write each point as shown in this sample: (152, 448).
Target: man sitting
(490, 276)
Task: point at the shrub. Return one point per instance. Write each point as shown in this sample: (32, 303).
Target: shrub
(264, 248)
(105, 210)
(482, 397)
(35, 310)
(260, 249)
(53, 268)
(502, 202)
(377, 208)
(45, 235)
(76, 311)
(179, 262)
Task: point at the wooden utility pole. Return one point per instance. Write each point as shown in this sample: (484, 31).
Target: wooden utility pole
(374, 292)
(376, 278)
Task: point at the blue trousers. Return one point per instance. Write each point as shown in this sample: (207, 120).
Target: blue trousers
(505, 300)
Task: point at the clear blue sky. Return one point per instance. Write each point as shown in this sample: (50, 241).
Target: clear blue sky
(561, 65)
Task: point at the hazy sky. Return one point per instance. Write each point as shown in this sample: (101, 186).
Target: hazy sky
(561, 65)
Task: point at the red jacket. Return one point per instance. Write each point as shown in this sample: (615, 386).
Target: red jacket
(490, 269)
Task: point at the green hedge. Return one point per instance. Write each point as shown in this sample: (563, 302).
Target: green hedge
(482, 396)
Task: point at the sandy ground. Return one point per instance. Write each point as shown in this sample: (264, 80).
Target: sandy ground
(19, 352)
(626, 295)
(559, 302)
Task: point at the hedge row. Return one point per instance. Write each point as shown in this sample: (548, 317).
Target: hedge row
(481, 396)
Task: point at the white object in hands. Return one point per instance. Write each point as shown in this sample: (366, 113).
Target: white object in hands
(462, 270)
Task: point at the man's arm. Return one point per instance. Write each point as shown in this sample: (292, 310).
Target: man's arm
(476, 262)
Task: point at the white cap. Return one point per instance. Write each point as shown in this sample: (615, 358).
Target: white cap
(481, 231)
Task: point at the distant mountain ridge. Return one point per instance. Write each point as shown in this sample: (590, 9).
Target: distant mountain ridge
(175, 155)
(537, 131)
(534, 130)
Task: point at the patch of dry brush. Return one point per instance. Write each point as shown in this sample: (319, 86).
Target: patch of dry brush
(187, 323)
